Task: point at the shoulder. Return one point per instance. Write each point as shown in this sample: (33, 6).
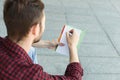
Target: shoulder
(32, 71)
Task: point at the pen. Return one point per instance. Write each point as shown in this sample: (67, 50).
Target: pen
(70, 34)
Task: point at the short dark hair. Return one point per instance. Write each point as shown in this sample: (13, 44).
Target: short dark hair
(21, 15)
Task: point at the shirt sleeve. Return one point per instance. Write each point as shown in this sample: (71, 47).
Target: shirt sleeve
(73, 71)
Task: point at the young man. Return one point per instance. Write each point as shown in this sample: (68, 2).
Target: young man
(25, 23)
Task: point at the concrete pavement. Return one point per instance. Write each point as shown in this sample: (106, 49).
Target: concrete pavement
(99, 52)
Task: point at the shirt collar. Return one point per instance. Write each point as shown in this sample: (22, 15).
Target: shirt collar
(16, 49)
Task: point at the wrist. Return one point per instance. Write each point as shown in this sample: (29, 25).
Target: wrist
(72, 47)
(73, 54)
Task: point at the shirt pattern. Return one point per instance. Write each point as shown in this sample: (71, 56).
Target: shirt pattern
(15, 64)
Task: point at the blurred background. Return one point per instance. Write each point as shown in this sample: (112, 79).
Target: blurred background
(99, 52)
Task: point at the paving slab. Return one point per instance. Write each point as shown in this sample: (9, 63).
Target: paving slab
(102, 77)
(112, 29)
(97, 50)
(81, 19)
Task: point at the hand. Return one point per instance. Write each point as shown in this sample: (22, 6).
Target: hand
(54, 43)
(72, 38)
(72, 44)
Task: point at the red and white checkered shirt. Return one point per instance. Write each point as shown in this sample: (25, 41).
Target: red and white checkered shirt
(15, 64)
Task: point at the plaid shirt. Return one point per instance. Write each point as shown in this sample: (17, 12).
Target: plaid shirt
(15, 64)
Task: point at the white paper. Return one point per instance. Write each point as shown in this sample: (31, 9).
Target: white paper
(64, 49)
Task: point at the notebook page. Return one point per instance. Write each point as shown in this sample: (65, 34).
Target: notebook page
(64, 49)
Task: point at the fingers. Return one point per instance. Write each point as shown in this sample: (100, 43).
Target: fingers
(67, 35)
(71, 31)
(56, 43)
(61, 44)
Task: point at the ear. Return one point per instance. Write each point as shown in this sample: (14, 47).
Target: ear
(35, 29)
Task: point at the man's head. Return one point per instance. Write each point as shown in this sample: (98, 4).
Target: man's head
(23, 17)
